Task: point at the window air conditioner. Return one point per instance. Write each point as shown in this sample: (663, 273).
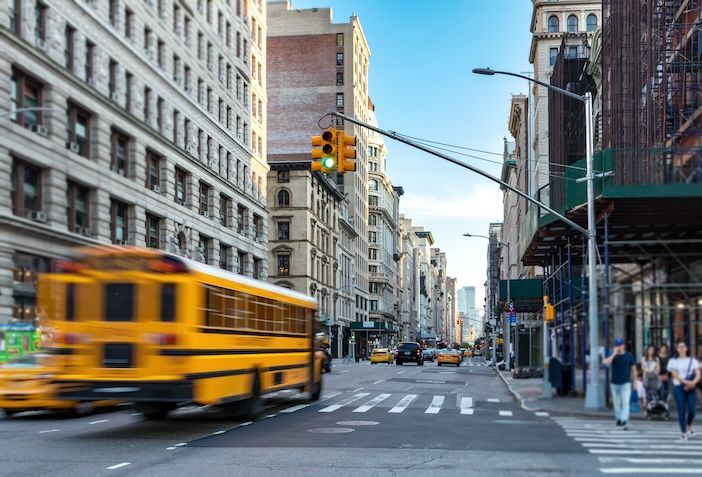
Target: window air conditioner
(205, 213)
(121, 242)
(156, 188)
(74, 147)
(85, 231)
(41, 44)
(222, 78)
(37, 216)
(41, 130)
(114, 96)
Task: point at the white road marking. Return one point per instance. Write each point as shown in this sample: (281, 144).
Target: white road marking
(247, 423)
(493, 400)
(181, 444)
(379, 381)
(343, 403)
(400, 372)
(613, 445)
(372, 403)
(170, 448)
(691, 453)
(505, 413)
(48, 430)
(98, 422)
(295, 408)
(216, 433)
(655, 460)
(344, 371)
(356, 390)
(135, 414)
(541, 414)
(648, 470)
(435, 405)
(117, 466)
(466, 405)
(404, 402)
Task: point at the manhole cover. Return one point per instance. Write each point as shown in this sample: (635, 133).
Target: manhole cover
(331, 430)
(358, 423)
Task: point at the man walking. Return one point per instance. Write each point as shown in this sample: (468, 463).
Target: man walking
(623, 368)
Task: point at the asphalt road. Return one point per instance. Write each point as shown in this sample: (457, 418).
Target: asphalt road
(372, 420)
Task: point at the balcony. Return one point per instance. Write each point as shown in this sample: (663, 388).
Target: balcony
(378, 277)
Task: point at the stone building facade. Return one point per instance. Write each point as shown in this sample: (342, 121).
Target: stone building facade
(152, 133)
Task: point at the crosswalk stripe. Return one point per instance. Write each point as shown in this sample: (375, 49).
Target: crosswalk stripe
(343, 403)
(372, 403)
(435, 405)
(505, 413)
(404, 402)
(468, 411)
(493, 400)
(612, 445)
(650, 460)
(541, 414)
(329, 396)
(692, 453)
(648, 470)
(466, 402)
(295, 408)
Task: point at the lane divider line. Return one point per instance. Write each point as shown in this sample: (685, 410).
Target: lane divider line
(98, 422)
(117, 466)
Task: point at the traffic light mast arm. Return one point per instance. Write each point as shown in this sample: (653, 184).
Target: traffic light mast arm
(395, 136)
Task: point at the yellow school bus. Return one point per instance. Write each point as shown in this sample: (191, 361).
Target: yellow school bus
(160, 330)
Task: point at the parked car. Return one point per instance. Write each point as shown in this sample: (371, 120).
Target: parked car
(381, 355)
(428, 354)
(449, 356)
(409, 353)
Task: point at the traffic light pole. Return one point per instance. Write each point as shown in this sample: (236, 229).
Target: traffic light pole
(397, 137)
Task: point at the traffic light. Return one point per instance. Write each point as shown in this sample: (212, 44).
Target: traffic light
(549, 310)
(325, 157)
(346, 151)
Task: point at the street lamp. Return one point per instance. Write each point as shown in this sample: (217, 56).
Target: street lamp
(594, 395)
(507, 358)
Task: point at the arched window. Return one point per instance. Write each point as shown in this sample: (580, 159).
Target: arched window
(373, 184)
(591, 22)
(283, 198)
(553, 24)
(572, 24)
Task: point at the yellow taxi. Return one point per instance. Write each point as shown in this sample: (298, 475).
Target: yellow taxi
(468, 353)
(381, 355)
(26, 385)
(449, 356)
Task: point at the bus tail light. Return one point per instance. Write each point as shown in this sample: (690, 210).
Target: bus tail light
(77, 338)
(167, 339)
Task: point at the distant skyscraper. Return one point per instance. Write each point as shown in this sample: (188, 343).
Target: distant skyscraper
(466, 300)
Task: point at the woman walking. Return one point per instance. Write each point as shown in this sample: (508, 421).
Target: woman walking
(686, 375)
(663, 358)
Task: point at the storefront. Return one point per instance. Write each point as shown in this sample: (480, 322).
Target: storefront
(372, 334)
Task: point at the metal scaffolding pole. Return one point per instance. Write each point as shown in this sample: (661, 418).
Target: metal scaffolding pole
(606, 301)
(562, 311)
(583, 320)
(571, 332)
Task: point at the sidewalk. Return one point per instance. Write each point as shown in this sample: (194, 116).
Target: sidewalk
(528, 393)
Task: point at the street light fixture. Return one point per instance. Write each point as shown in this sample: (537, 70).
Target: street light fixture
(507, 357)
(594, 395)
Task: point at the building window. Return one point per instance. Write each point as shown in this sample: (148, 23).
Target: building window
(283, 230)
(339, 39)
(112, 78)
(224, 256)
(77, 209)
(159, 114)
(119, 230)
(129, 23)
(373, 200)
(153, 225)
(204, 248)
(25, 92)
(15, 14)
(120, 153)
(204, 199)
(161, 54)
(26, 188)
(77, 130)
(40, 22)
(372, 219)
(373, 254)
(340, 100)
(340, 79)
(113, 12)
(69, 47)
(241, 214)
(147, 104)
(129, 80)
(89, 55)
(591, 22)
(256, 268)
(283, 198)
(224, 210)
(572, 52)
(552, 56)
(572, 24)
(339, 59)
(283, 265)
(180, 189)
(373, 185)
(153, 171)
(553, 24)
(283, 177)
(241, 261)
(257, 232)
(373, 237)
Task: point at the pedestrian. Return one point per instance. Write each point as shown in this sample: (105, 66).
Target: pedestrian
(686, 374)
(623, 367)
(663, 358)
(650, 365)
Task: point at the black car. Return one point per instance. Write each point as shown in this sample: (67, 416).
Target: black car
(409, 353)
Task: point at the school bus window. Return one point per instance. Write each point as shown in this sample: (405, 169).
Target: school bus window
(240, 313)
(119, 302)
(168, 297)
(70, 302)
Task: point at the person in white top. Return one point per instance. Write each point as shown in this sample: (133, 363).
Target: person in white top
(686, 375)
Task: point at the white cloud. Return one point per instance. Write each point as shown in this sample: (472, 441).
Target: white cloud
(481, 202)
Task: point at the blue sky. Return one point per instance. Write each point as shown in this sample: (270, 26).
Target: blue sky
(422, 53)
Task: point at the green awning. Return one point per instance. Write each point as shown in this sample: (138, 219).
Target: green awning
(525, 293)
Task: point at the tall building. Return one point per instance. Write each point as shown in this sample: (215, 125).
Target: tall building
(466, 299)
(427, 279)
(409, 295)
(344, 295)
(314, 66)
(383, 238)
(439, 305)
(550, 21)
(150, 132)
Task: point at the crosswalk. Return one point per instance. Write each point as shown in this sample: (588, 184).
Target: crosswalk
(645, 448)
(394, 403)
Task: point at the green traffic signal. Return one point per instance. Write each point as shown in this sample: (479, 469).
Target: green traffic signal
(328, 163)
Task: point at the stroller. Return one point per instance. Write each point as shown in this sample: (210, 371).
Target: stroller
(655, 405)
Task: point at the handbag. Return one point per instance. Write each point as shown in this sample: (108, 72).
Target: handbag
(634, 406)
(689, 376)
